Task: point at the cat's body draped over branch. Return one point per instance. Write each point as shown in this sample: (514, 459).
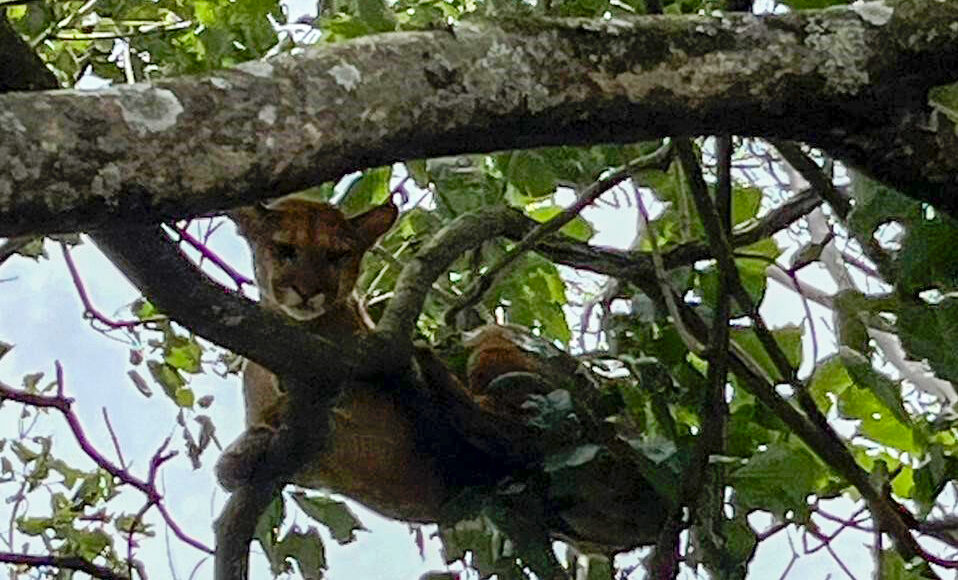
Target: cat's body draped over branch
(407, 445)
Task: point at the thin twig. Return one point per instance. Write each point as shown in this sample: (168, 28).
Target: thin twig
(64, 405)
(207, 254)
(887, 514)
(711, 440)
(63, 563)
(142, 31)
(661, 278)
(89, 310)
(63, 23)
(824, 187)
(113, 437)
(585, 198)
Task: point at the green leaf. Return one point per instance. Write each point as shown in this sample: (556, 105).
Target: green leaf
(865, 375)
(306, 548)
(125, 524)
(741, 542)
(167, 376)
(599, 568)
(33, 249)
(417, 170)
(746, 202)
(893, 567)
(33, 526)
(369, 190)
(581, 8)
(779, 480)
(376, 14)
(876, 204)
(830, 376)
(465, 183)
(341, 27)
(184, 397)
(926, 257)
(30, 382)
(535, 293)
(335, 515)
(144, 309)
(5, 347)
(851, 310)
(184, 354)
(930, 331)
(751, 272)
(788, 338)
(578, 229)
(89, 544)
(813, 4)
(571, 457)
(945, 99)
(657, 449)
(267, 532)
(484, 541)
(933, 477)
(880, 421)
(530, 174)
(70, 474)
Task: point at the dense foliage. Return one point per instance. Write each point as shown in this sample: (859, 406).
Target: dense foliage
(647, 323)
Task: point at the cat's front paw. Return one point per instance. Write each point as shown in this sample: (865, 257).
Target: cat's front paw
(240, 461)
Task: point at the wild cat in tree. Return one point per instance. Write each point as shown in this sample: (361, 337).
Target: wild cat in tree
(406, 446)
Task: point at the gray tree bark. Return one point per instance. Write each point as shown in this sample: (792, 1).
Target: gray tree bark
(850, 80)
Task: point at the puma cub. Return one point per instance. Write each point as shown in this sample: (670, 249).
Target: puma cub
(306, 257)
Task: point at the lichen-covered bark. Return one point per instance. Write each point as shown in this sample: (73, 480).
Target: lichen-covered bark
(850, 80)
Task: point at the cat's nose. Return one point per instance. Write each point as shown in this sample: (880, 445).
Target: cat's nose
(317, 302)
(291, 297)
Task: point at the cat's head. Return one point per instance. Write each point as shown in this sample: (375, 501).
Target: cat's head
(307, 254)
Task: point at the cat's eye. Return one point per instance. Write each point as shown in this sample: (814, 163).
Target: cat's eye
(285, 251)
(337, 255)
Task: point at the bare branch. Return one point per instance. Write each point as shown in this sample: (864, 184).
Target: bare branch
(207, 254)
(584, 199)
(89, 310)
(466, 232)
(147, 487)
(883, 507)
(63, 563)
(824, 187)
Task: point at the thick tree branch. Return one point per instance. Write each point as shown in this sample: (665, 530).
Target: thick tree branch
(659, 158)
(78, 160)
(882, 507)
(468, 231)
(235, 528)
(157, 268)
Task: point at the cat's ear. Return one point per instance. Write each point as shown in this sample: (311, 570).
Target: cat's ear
(248, 219)
(375, 222)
